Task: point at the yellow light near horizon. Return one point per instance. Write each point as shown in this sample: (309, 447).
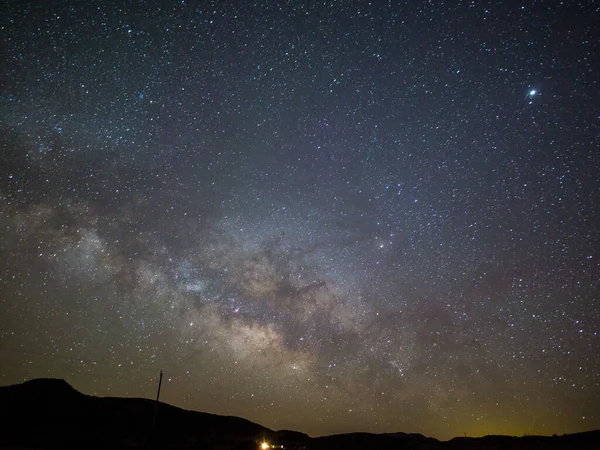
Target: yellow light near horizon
(264, 446)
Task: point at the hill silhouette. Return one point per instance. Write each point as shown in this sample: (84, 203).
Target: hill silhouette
(50, 413)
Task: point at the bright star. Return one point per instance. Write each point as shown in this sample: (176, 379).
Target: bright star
(532, 92)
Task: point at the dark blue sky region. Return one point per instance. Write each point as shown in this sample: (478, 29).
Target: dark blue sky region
(328, 217)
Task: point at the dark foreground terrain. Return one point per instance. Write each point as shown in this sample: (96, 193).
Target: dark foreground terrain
(50, 414)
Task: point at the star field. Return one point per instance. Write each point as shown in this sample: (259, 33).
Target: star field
(332, 217)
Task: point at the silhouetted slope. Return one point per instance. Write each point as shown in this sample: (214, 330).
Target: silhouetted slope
(289, 437)
(50, 414)
(53, 412)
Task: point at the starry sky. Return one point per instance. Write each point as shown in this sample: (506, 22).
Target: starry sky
(324, 216)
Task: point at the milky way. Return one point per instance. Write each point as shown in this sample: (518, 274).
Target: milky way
(340, 217)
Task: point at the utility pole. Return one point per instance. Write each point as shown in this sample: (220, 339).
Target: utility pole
(156, 403)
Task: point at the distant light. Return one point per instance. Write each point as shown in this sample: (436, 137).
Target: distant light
(532, 92)
(264, 446)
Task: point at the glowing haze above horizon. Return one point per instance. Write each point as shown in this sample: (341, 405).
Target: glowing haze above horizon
(332, 217)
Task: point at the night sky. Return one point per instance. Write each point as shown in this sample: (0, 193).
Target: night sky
(321, 216)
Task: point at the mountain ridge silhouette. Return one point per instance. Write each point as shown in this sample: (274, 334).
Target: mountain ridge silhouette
(50, 413)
